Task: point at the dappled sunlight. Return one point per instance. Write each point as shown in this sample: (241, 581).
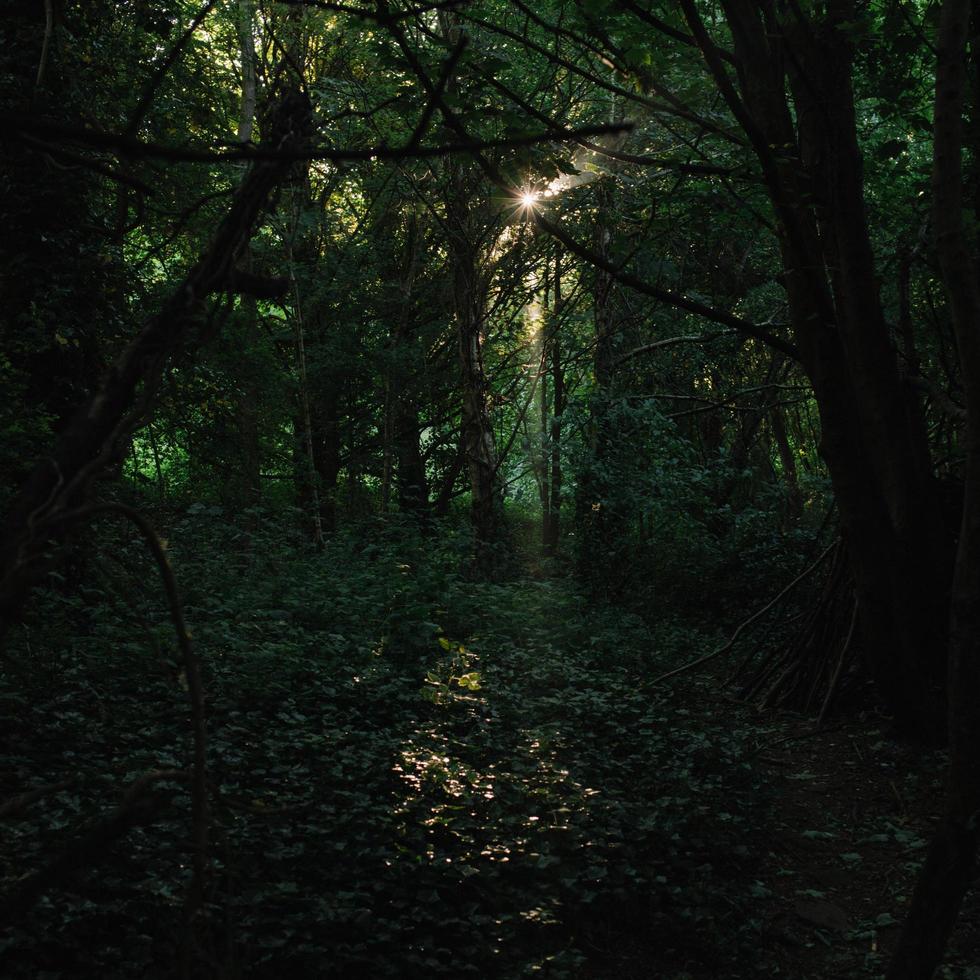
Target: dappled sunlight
(427, 464)
(487, 789)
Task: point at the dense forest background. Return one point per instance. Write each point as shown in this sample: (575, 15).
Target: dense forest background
(490, 489)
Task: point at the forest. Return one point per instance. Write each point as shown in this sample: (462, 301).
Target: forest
(490, 489)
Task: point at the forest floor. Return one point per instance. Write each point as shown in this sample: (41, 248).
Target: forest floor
(851, 818)
(421, 776)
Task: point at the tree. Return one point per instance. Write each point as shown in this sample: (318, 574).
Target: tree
(950, 865)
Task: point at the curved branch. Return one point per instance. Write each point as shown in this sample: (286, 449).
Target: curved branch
(678, 300)
(746, 623)
(195, 688)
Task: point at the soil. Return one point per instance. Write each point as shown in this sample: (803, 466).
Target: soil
(853, 812)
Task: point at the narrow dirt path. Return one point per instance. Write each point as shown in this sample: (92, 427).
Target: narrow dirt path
(852, 813)
(501, 795)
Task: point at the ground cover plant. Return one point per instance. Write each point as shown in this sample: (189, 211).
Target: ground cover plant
(446, 778)
(443, 777)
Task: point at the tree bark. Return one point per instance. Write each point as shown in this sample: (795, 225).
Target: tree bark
(951, 862)
(326, 442)
(100, 430)
(787, 461)
(470, 288)
(249, 490)
(469, 292)
(557, 411)
(872, 432)
(466, 230)
(599, 519)
(406, 437)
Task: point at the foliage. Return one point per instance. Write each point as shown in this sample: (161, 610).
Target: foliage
(675, 538)
(417, 771)
(525, 820)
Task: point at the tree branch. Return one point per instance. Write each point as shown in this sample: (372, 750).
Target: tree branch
(16, 124)
(576, 248)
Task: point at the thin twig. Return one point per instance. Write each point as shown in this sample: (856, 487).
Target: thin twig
(832, 689)
(195, 689)
(726, 647)
(45, 49)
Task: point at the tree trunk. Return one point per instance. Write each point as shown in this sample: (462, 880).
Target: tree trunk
(413, 483)
(478, 438)
(101, 428)
(325, 437)
(951, 862)
(447, 484)
(873, 435)
(899, 547)
(598, 513)
(404, 372)
(470, 289)
(787, 461)
(465, 222)
(558, 408)
(541, 451)
(248, 478)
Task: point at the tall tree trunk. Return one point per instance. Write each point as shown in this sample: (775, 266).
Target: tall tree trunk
(950, 865)
(597, 509)
(873, 436)
(896, 539)
(544, 421)
(558, 409)
(469, 293)
(470, 290)
(466, 220)
(325, 438)
(413, 485)
(249, 479)
(537, 325)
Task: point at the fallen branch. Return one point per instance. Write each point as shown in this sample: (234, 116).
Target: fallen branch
(138, 806)
(19, 803)
(745, 624)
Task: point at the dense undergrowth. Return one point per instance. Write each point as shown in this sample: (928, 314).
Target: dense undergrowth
(414, 774)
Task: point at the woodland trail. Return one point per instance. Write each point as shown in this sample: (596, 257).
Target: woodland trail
(509, 797)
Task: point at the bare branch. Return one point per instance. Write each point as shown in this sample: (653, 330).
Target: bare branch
(669, 342)
(746, 623)
(575, 247)
(19, 125)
